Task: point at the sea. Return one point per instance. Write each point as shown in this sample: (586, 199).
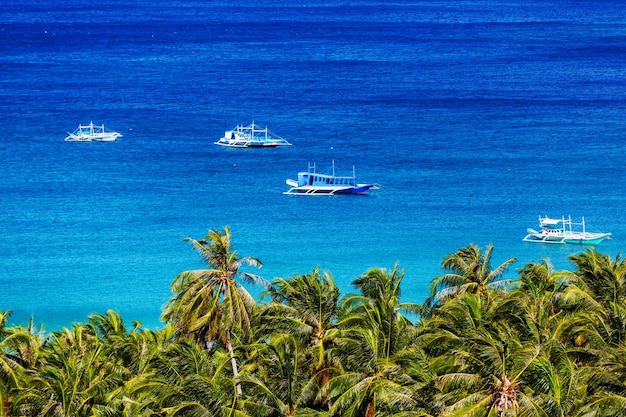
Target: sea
(474, 117)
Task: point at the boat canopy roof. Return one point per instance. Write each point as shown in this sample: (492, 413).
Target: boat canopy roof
(547, 221)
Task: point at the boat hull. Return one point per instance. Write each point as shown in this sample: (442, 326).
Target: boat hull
(262, 145)
(110, 138)
(562, 241)
(359, 189)
(586, 241)
(246, 144)
(577, 239)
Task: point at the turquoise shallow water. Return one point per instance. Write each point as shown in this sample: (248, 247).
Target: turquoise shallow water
(473, 117)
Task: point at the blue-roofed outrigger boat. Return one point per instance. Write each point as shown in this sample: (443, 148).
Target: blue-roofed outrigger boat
(312, 183)
(563, 230)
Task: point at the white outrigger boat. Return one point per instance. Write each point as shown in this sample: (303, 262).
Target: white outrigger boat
(251, 137)
(312, 183)
(91, 132)
(563, 230)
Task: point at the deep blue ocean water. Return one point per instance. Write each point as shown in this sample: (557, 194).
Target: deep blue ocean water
(473, 116)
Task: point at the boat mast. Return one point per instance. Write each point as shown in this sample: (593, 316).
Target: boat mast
(583, 222)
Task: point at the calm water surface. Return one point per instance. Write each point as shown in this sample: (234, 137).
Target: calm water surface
(474, 117)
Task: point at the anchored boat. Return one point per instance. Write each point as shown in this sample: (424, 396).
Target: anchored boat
(251, 137)
(91, 132)
(564, 230)
(312, 183)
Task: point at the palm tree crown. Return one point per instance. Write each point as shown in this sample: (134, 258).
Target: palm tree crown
(469, 270)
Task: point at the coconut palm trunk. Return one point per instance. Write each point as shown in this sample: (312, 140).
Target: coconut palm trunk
(233, 363)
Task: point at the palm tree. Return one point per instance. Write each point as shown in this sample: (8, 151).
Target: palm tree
(189, 382)
(73, 375)
(489, 381)
(210, 304)
(374, 333)
(143, 391)
(304, 305)
(19, 351)
(607, 384)
(604, 279)
(380, 306)
(505, 354)
(558, 384)
(134, 348)
(446, 328)
(370, 383)
(536, 306)
(602, 276)
(279, 383)
(9, 379)
(469, 271)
